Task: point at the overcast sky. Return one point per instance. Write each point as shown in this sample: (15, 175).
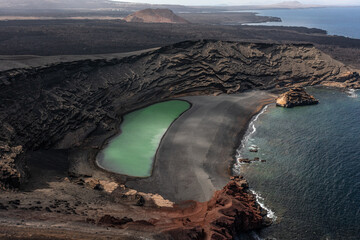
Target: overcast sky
(243, 2)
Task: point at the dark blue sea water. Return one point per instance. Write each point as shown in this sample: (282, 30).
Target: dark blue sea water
(343, 21)
(311, 179)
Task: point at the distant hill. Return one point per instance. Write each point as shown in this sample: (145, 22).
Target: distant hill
(73, 5)
(155, 16)
(291, 4)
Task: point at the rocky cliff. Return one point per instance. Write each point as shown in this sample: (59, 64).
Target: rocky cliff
(60, 105)
(155, 16)
(295, 97)
(232, 210)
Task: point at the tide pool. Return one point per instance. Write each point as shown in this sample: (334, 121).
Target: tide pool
(132, 152)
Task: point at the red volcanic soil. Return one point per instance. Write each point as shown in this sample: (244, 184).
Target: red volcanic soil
(230, 211)
(93, 215)
(155, 16)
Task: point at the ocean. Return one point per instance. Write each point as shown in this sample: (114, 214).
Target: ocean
(342, 21)
(310, 181)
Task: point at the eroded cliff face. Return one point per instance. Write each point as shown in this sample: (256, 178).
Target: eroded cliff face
(60, 105)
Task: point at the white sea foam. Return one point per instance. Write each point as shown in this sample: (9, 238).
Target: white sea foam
(247, 137)
(352, 93)
(237, 166)
(260, 200)
(252, 129)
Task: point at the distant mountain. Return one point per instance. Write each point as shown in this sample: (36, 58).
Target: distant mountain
(291, 4)
(155, 16)
(79, 5)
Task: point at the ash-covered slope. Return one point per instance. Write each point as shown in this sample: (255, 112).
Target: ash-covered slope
(155, 16)
(60, 105)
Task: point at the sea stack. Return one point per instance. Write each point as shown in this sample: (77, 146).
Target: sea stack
(155, 16)
(295, 97)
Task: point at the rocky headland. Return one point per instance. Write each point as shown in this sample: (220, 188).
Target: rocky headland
(58, 116)
(230, 211)
(295, 97)
(155, 16)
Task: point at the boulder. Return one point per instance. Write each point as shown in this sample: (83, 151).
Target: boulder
(244, 160)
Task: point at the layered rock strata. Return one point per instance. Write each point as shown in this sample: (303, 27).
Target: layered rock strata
(60, 105)
(295, 97)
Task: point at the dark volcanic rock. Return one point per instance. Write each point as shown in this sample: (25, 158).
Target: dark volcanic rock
(113, 221)
(295, 97)
(195, 233)
(231, 211)
(15, 202)
(3, 207)
(61, 105)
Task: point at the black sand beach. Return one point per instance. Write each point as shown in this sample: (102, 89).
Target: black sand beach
(195, 154)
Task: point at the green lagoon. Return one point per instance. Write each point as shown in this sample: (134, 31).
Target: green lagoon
(132, 152)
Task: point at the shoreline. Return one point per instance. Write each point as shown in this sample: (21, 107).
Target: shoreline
(206, 150)
(236, 166)
(244, 135)
(276, 138)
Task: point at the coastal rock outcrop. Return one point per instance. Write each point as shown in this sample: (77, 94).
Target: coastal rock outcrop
(295, 97)
(155, 16)
(231, 211)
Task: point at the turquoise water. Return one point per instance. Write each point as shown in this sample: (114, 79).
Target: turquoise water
(132, 151)
(311, 180)
(342, 21)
